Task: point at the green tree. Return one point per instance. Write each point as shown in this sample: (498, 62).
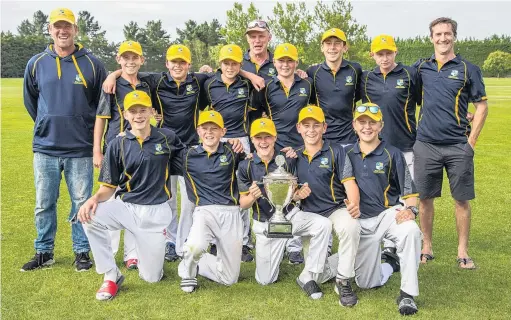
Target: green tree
(498, 63)
(93, 38)
(37, 27)
(236, 24)
(156, 42)
(133, 32)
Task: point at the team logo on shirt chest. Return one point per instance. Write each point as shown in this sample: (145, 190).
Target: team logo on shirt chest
(78, 80)
(400, 84)
(158, 149)
(223, 160)
(324, 163)
(379, 168)
(241, 93)
(271, 72)
(189, 89)
(454, 74)
(303, 92)
(349, 81)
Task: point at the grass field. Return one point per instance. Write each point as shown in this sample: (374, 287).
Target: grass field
(446, 291)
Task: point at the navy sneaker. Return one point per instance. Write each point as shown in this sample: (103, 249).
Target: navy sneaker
(38, 261)
(170, 252)
(295, 257)
(246, 255)
(388, 255)
(212, 249)
(82, 261)
(347, 298)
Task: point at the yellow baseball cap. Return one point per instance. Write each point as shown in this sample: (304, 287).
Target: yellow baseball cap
(137, 98)
(313, 112)
(263, 125)
(231, 51)
(130, 46)
(211, 116)
(62, 14)
(334, 32)
(179, 51)
(371, 110)
(286, 50)
(383, 42)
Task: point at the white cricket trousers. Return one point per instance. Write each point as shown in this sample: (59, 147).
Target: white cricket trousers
(147, 223)
(407, 238)
(129, 240)
(347, 230)
(314, 231)
(245, 213)
(178, 232)
(224, 225)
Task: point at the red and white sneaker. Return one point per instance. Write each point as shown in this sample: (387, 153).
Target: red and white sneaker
(109, 289)
(132, 264)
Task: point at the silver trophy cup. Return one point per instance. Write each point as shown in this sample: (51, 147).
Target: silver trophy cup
(279, 186)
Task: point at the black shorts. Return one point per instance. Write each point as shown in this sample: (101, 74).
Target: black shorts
(430, 161)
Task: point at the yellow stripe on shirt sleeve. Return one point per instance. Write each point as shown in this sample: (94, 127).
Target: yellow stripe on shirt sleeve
(347, 179)
(410, 196)
(107, 185)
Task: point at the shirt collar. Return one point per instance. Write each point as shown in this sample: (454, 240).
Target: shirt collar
(378, 151)
(258, 160)
(296, 79)
(325, 147)
(325, 66)
(398, 68)
(153, 134)
(125, 82)
(169, 77)
(246, 56)
(218, 77)
(221, 148)
(456, 59)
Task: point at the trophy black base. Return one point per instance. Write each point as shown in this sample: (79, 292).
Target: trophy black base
(279, 230)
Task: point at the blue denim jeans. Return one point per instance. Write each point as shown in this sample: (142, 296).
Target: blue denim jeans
(78, 173)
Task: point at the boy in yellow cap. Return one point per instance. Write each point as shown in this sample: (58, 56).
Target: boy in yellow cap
(336, 82)
(130, 58)
(314, 228)
(61, 92)
(383, 178)
(210, 172)
(139, 164)
(330, 190)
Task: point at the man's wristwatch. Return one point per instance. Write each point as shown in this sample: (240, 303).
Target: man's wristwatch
(414, 210)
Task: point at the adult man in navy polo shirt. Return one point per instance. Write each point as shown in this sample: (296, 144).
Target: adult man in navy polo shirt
(326, 170)
(394, 87)
(139, 164)
(210, 171)
(383, 177)
(314, 228)
(445, 138)
(336, 82)
(130, 58)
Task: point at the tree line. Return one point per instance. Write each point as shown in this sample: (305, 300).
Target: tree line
(289, 22)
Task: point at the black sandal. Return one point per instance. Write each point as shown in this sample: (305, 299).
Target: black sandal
(466, 261)
(310, 288)
(427, 256)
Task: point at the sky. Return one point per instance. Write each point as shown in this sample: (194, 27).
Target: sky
(403, 19)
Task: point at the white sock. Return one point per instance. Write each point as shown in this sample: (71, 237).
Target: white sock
(386, 272)
(112, 274)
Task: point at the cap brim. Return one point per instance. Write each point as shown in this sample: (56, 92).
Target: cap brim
(373, 116)
(130, 50)
(237, 59)
(138, 105)
(271, 133)
(390, 48)
(285, 56)
(256, 29)
(178, 56)
(312, 117)
(209, 121)
(333, 36)
(63, 19)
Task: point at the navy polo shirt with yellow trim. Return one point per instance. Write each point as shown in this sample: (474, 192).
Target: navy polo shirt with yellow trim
(382, 177)
(211, 177)
(446, 92)
(231, 101)
(255, 169)
(111, 107)
(141, 168)
(179, 102)
(337, 93)
(396, 93)
(283, 105)
(325, 172)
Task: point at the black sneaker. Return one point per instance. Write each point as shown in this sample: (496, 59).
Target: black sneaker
(212, 249)
(388, 255)
(406, 305)
(82, 261)
(347, 298)
(38, 261)
(295, 257)
(170, 252)
(246, 255)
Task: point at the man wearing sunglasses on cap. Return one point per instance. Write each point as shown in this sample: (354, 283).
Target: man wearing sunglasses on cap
(383, 178)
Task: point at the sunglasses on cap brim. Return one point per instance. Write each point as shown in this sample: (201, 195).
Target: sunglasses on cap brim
(258, 24)
(372, 109)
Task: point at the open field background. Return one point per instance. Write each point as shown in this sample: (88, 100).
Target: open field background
(446, 291)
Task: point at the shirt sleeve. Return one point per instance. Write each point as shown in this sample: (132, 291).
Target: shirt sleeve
(151, 78)
(345, 171)
(416, 89)
(403, 177)
(111, 167)
(104, 109)
(30, 90)
(362, 88)
(243, 177)
(98, 83)
(259, 101)
(477, 91)
(418, 78)
(358, 70)
(203, 97)
(177, 151)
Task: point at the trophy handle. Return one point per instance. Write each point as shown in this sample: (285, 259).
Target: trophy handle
(260, 184)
